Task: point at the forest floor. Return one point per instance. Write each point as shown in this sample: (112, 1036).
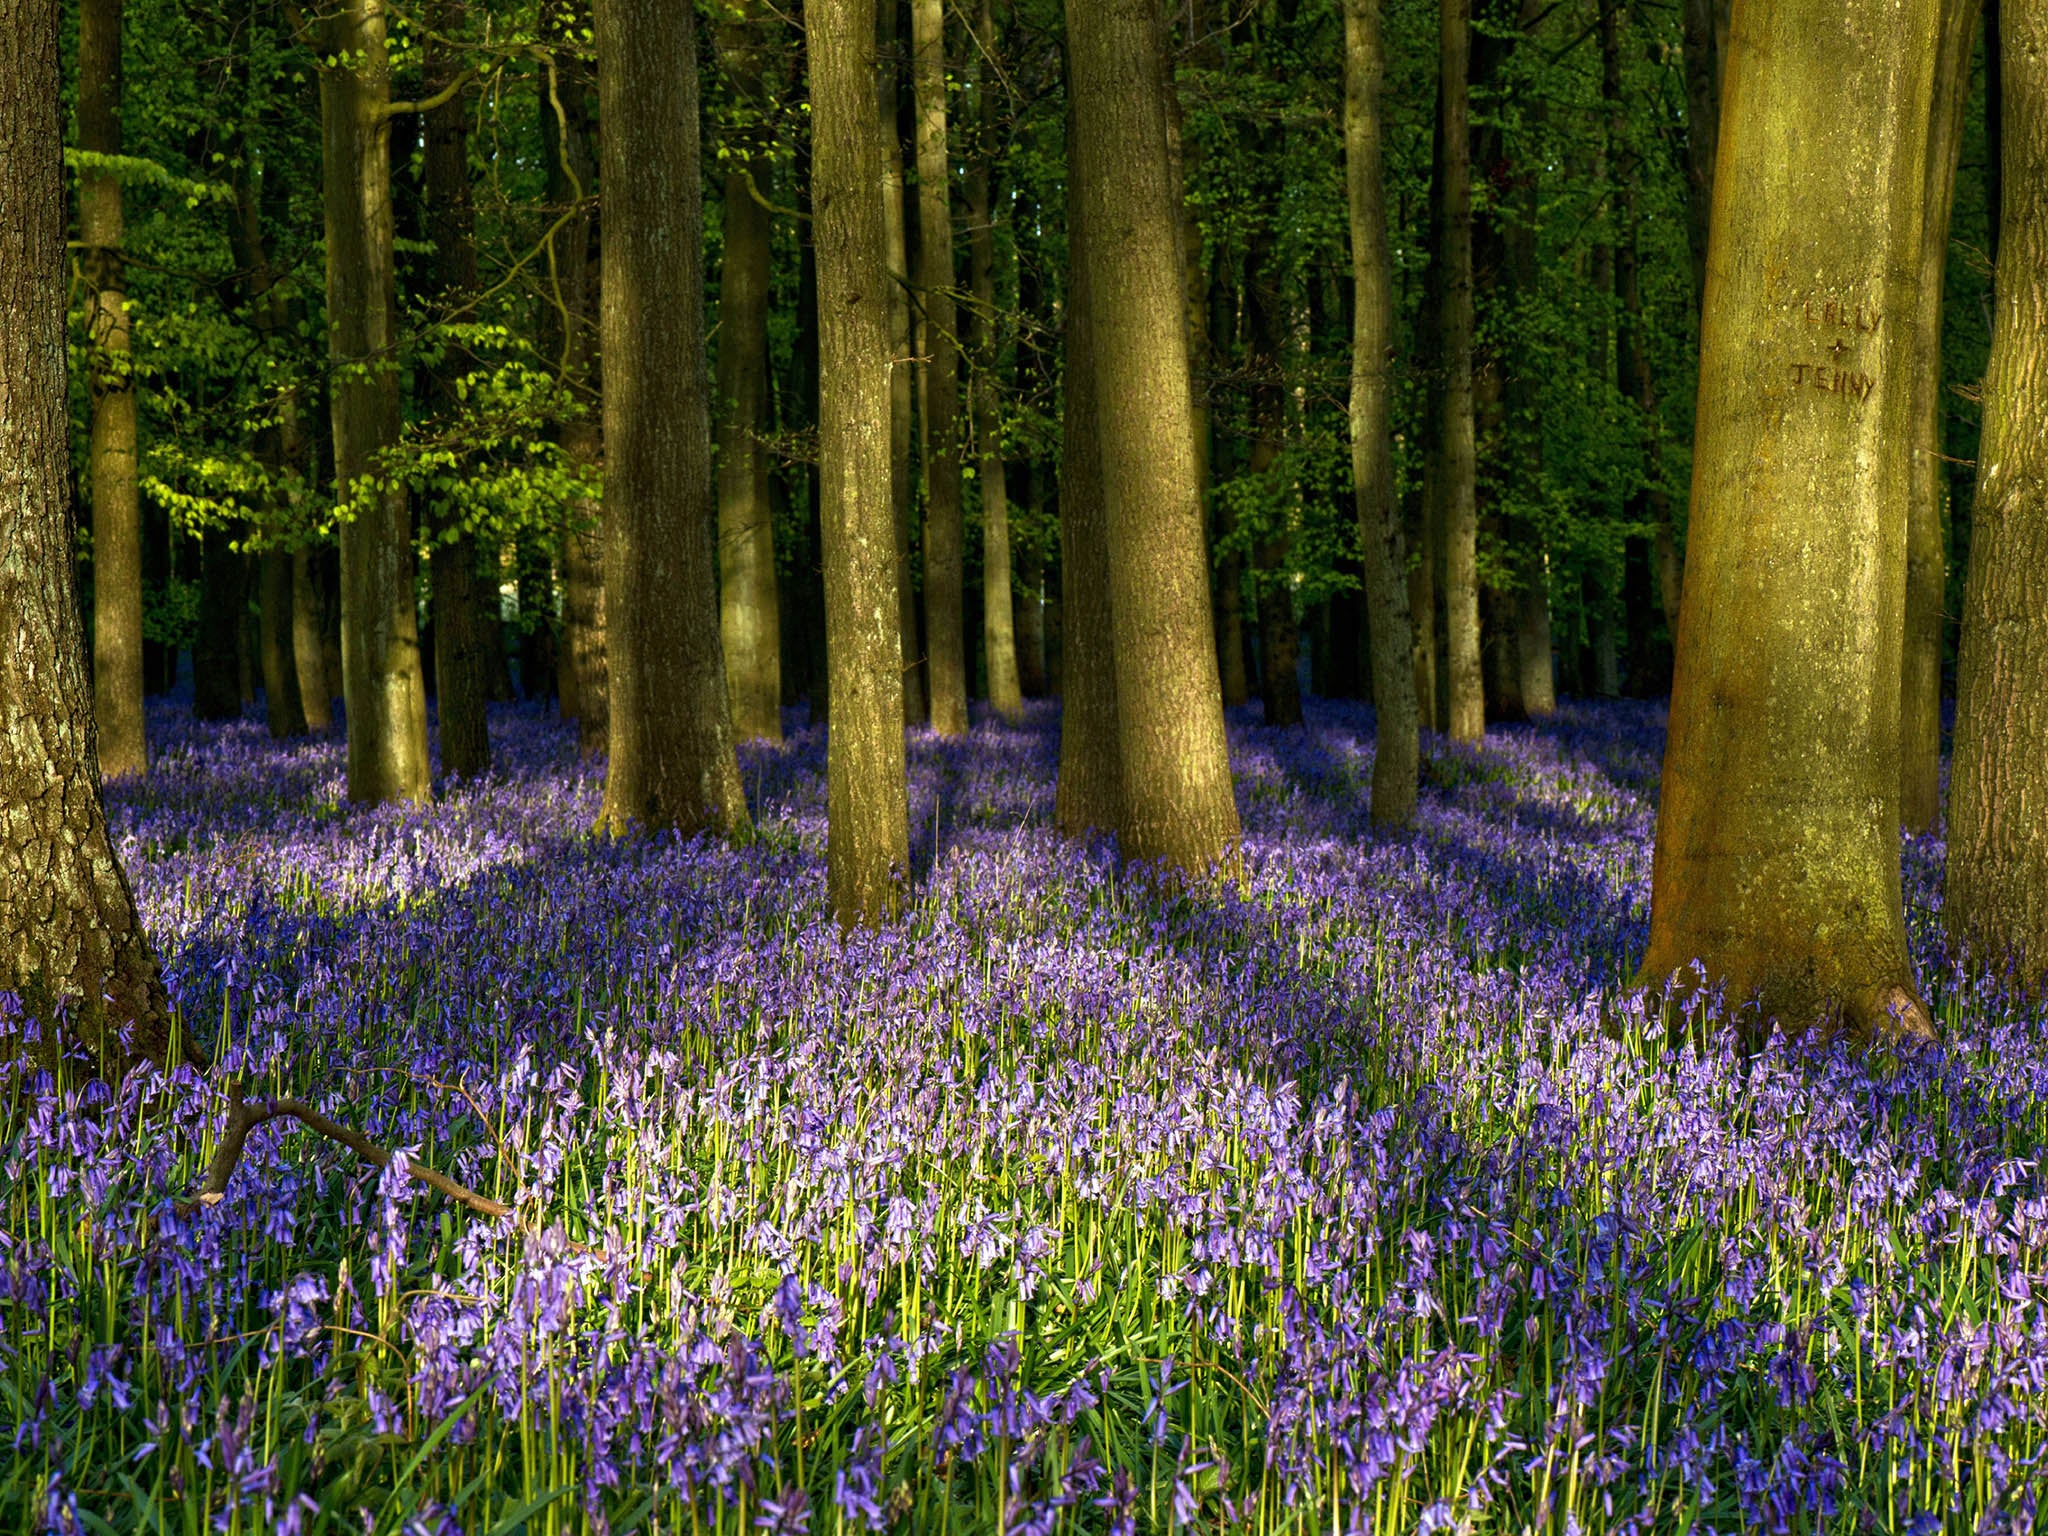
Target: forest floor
(1316, 1200)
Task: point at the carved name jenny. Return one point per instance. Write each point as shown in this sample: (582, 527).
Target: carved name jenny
(1833, 381)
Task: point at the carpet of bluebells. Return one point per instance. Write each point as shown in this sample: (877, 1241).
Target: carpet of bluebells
(1339, 1196)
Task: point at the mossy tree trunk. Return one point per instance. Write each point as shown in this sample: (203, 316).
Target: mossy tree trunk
(1777, 858)
(868, 842)
(1997, 899)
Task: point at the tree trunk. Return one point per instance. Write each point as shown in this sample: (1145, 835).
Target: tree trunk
(944, 578)
(671, 761)
(283, 711)
(1702, 130)
(1272, 556)
(1457, 458)
(217, 649)
(902, 372)
(1997, 900)
(1381, 537)
(1030, 608)
(384, 691)
(572, 172)
(868, 844)
(1089, 796)
(111, 454)
(461, 662)
(1926, 547)
(999, 635)
(69, 931)
(1777, 862)
(749, 620)
(315, 701)
(1178, 801)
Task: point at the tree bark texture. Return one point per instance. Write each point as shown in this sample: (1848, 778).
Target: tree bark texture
(944, 541)
(999, 633)
(1382, 539)
(1178, 800)
(69, 932)
(316, 700)
(1777, 858)
(671, 759)
(902, 370)
(282, 710)
(111, 454)
(382, 686)
(1457, 455)
(462, 679)
(1926, 545)
(1089, 795)
(1997, 899)
(868, 842)
(749, 618)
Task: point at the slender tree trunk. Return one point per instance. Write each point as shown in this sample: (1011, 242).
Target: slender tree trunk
(868, 844)
(217, 649)
(1279, 630)
(461, 660)
(903, 373)
(1178, 801)
(69, 931)
(671, 761)
(749, 617)
(1997, 898)
(1089, 796)
(283, 711)
(1381, 537)
(111, 455)
(1777, 862)
(1702, 130)
(1457, 458)
(944, 578)
(383, 688)
(1926, 547)
(1030, 608)
(999, 635)
(315, 701)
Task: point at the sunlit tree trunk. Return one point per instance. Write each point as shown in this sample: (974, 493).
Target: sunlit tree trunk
(382, 685)
(999, 635)
(1382, 539)
(671, 759)
(461, 661)
(1997, 898)
(944, 578)
(116, 509)
(868, 844)
(1926, 546)
(69, 931)
(903, 374)
(1457, 457)
(1777, 860)
(1178, 802)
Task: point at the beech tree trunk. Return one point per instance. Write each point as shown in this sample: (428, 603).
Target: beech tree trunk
(671, 760)
(1457, 456)
(1777, 860)
(1178, 800)
(111, 452)
(750, 621)
(1997, 899)
(69, 932)
(283, 712)
(944, 572)
(1381, 537)
(1926, 545)
(1279, 631)
(902, 371)
(1702, 130)
(316, 702)
(383, 689)
(217, 649)
(868, 842)
(999, 634)
(462, 678)
(1089, 795)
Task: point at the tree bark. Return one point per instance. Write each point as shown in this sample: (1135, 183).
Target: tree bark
(868, 842)
(1997, 898)
(461, 661)
(749, 619)
(217, 649)
(999, 634)
(1178, 800)
(1089, 795)
(1457, 458)
(382, 685)
(671, 760)
(1777, 858)
(111, 454)
(316, 703)
(283, 712)
(69, 931)
(944, 578)
(902, 371)
(1926, 545)
(1381, 537)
